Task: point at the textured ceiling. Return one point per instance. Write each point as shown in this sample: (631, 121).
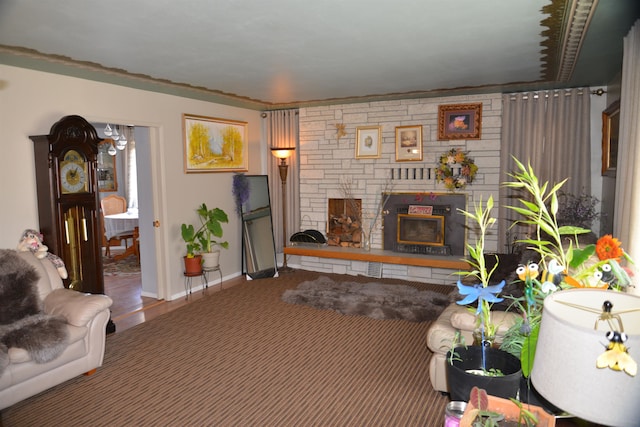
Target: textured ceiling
(280, 53)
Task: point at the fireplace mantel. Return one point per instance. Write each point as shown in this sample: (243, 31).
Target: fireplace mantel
(379, 255)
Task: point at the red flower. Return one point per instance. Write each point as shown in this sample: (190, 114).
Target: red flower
(609, 247)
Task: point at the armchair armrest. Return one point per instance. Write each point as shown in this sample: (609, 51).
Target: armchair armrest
(77, 307)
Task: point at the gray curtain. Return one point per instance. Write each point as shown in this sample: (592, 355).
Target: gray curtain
(550, 131)
(282, 131)
(626, 225)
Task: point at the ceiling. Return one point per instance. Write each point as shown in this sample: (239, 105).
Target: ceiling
(287, 53)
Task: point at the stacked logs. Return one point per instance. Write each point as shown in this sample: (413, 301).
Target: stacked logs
(344, 231)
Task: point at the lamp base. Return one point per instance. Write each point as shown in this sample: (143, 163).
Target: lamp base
(286, 269)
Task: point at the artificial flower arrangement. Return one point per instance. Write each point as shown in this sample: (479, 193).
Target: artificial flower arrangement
(446, 169)
(563, 263)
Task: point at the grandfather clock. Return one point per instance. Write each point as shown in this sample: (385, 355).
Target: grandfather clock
(68, 202)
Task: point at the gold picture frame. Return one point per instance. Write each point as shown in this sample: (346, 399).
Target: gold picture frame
(107, 170)
(459, 121)
(610, 129)
(368, 142)
(214, 145)
(409, 143)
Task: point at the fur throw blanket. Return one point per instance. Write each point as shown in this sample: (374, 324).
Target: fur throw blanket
(22, 322)
(375, 300)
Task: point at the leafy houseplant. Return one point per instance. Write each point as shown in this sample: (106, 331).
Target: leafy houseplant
(480, 365)
(487, 411)
(482, 292)
(563, 263)
(193, 259)
(201, 240)
(211, 221)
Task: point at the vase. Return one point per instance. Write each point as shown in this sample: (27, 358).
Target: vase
(476, 358)
(366, 241)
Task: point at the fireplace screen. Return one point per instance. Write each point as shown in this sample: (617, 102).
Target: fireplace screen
(421, 229)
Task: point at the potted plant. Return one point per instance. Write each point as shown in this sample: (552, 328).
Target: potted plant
(486, 410)
(566, 260)
(480, 364)
(210, 228)
(193, 259)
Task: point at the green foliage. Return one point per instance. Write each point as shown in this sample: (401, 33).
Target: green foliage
(541, 212)
(202, 239)
(190, 238)
(481, 216)
(211, 226)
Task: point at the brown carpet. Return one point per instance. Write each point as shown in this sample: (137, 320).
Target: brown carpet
(242, 357)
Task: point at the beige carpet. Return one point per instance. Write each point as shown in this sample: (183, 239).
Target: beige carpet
(242, 357)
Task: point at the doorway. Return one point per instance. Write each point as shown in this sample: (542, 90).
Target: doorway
(131, 281)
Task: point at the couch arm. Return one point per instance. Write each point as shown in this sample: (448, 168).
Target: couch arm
(77, 307)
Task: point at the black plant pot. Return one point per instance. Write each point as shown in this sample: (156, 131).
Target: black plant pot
(461, 382)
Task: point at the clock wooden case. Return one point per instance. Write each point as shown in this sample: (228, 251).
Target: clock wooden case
(68, 201)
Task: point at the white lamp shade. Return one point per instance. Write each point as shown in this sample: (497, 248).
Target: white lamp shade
(282, 152)
(564, 370)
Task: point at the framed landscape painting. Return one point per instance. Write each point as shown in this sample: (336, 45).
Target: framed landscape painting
(459, 121)
(214, 145)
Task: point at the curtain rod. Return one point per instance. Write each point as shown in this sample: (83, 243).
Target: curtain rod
(546, 93)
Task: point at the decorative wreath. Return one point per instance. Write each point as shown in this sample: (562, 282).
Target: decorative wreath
(451, 162)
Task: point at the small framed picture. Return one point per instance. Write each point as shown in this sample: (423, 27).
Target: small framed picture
(368, 142)
(459, 121)
(408, 143)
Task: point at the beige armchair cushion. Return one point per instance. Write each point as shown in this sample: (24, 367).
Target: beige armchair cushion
(77, 307)
(465, 320)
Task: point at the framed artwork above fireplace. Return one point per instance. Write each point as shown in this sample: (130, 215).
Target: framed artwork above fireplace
(408, 143)
(459, 121)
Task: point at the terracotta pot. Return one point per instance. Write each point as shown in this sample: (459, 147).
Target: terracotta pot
(193, 266)
(510, 410)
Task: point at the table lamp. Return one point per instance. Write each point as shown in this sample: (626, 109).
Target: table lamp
(575, 332)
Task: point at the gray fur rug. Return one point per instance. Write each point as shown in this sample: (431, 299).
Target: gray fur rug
(22, 322)
(375, 300)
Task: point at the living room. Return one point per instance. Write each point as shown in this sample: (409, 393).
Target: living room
(34, 97)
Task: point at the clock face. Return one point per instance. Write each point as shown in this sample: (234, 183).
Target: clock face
(73, 173)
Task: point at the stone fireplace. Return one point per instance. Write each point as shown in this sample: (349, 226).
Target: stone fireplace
(428, 224)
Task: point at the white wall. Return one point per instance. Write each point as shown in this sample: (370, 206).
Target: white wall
(32, 101)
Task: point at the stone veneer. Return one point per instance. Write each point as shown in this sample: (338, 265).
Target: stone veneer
(325, 161)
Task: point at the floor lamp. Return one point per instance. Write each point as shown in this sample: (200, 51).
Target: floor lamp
(282, 153)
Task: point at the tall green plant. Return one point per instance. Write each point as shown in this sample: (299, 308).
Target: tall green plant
(482, 292)
(538, 208)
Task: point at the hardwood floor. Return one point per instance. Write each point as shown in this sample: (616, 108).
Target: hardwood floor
(130, 308)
